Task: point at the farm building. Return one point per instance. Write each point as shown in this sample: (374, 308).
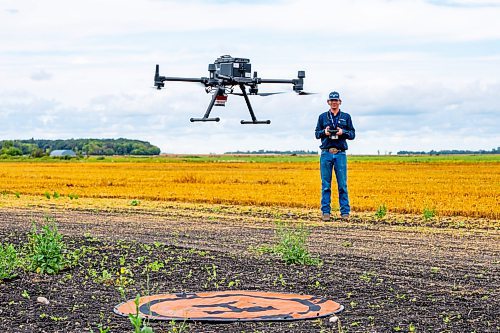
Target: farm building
(62, 153)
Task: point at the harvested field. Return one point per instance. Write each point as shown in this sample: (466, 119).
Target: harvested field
(448, 187)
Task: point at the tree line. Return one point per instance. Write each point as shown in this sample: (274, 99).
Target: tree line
(40, 147)
(275, 152)
(450, 152)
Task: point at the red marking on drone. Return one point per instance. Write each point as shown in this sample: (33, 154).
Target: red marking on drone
(234, 305)
(221, 100)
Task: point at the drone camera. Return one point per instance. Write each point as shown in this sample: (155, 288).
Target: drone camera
(301, 74)
(233, 67)
(235, 70)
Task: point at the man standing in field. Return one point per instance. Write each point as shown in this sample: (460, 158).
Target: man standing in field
(334, 128)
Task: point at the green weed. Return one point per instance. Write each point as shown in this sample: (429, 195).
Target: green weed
(346, 244)
(45, 253)
(25, 294)
(381, 211)
(178, 327)
(136, 320)
(8, 261)
(428, 213)
(234, 283)
(73, 196)
(281, 281)
(212, 277)
(292, 245)
(101, 329)
(435, 270)
(155, 266)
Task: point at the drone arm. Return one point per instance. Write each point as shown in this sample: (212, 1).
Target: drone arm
(298, 83)
(276, 81)
(184, 79)
(158, 80)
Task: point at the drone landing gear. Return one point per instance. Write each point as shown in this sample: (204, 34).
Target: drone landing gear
(254, 119)
(218, 97)
(219, 91)
(204, 119)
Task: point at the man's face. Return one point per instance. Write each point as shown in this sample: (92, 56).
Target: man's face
(334, 103)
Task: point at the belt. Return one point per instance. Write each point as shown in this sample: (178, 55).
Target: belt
(333, 150)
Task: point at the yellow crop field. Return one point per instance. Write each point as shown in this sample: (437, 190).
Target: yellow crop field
(463, 189)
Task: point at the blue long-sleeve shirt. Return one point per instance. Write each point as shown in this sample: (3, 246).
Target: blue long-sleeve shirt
(343, 120)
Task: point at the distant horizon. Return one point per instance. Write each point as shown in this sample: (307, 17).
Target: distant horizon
(417, 151)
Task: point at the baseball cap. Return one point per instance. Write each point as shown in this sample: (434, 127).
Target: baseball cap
(334, 95)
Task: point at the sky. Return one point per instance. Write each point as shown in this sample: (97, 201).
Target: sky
(414, 75)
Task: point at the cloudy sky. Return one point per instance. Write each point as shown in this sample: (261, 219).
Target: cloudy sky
(413, 74)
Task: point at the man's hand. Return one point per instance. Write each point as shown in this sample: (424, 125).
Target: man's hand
(339, 131)
(327, 130)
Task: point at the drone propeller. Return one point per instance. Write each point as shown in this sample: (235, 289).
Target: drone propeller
(271, 93)
(262, 94)
(306, 93)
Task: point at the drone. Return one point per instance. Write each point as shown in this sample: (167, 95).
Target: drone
(224, 75)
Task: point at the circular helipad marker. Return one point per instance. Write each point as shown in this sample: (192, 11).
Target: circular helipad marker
(234, 305)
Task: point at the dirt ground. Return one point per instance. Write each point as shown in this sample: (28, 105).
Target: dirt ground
(389, 278)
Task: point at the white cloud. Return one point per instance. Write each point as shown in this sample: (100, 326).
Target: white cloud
(41, 75)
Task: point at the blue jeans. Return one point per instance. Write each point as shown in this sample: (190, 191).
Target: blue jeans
(337, 162)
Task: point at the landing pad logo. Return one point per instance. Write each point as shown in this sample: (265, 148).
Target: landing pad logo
(231, 306)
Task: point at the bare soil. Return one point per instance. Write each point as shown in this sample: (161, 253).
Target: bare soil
(388, 277)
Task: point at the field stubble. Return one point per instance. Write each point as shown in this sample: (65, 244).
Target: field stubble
(450, 189)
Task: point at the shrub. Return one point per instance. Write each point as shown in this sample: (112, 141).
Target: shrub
(45, 254)
(8, 261)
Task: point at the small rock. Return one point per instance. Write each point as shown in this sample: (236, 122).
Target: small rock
(42, 300)
(333, 319)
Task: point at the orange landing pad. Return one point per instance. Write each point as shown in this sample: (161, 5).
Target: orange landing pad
(233, 305)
